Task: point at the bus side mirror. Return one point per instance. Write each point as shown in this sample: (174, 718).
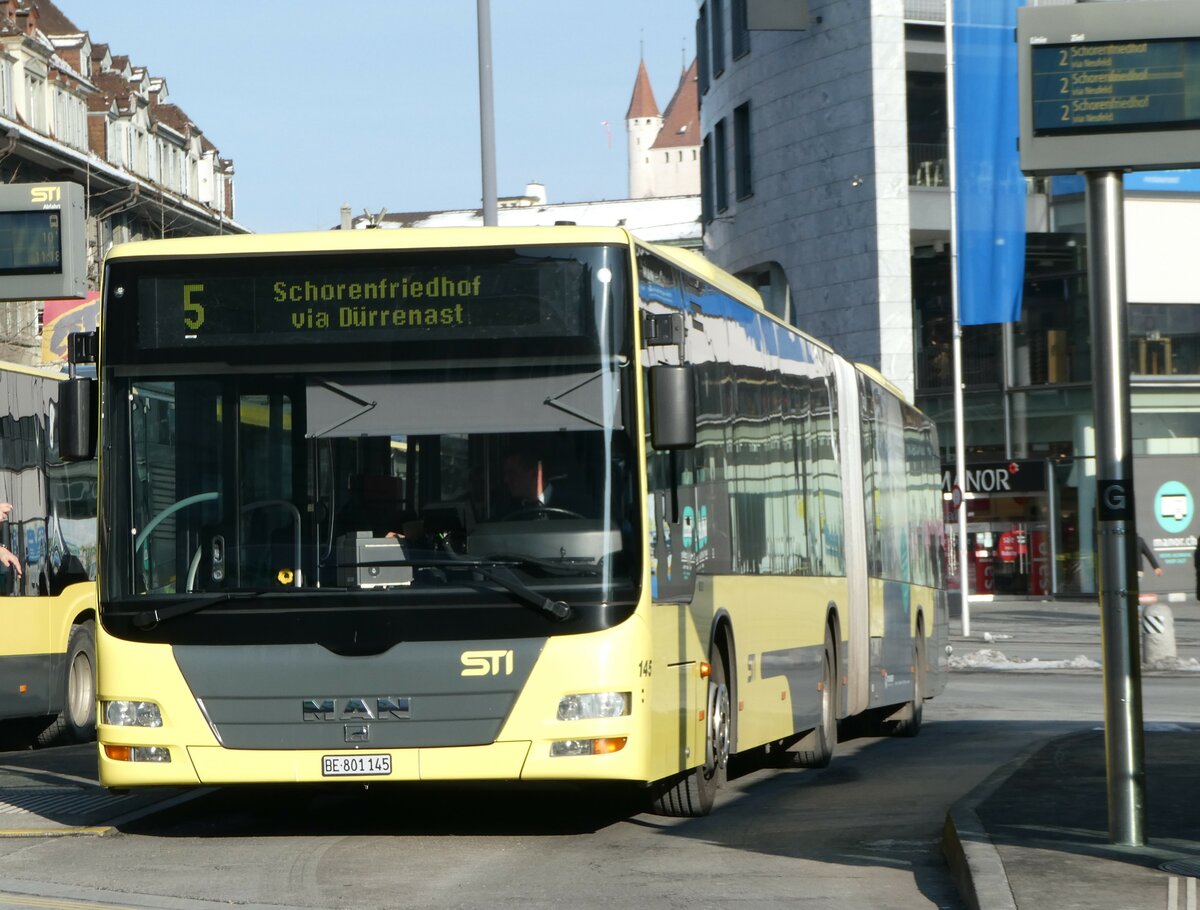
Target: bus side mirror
(76, 427)
(672, 407)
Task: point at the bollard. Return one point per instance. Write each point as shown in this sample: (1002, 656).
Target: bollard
(1158, 633)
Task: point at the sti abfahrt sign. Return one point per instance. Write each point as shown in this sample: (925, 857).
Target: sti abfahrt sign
(43, 253)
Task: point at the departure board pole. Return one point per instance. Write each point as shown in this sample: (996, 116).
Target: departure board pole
(1117, 549)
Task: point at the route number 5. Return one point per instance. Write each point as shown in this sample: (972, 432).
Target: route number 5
(193, 310)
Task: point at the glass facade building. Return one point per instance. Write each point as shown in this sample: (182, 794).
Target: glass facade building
(821, 151)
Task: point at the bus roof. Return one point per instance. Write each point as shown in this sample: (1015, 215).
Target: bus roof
(693, 262)
(878, 377)
(367, 240)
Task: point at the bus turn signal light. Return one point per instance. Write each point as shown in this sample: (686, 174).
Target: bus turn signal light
(705, 669)
(604, 746)
(159, 754)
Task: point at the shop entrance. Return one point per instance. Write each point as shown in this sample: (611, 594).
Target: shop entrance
(1012, 530)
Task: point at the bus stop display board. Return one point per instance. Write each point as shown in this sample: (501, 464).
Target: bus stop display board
(42, 247)
(1109, 86)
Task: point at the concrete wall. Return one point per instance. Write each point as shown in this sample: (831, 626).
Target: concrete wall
(830, 170)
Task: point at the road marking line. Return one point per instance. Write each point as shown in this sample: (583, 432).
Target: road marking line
(96, 830)
(28, 900)
(91, 782)
(1173, 894)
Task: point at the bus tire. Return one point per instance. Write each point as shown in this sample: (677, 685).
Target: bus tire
(76, 723)
(823, 740)
(910, 725)
(691, 794)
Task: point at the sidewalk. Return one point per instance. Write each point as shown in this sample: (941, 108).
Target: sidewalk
(1035, 834)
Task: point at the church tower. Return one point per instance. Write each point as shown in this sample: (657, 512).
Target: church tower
(643, 123)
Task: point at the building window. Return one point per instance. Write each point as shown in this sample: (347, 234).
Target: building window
(6, 93)
(706, 182)
(739, 31)
(720, 180)
(35, 102)
(742, 174)
(718, 37)
(702, 49)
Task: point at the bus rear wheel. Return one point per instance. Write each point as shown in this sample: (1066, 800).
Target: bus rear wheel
(76, 723)
(911, 724)
(692, 794)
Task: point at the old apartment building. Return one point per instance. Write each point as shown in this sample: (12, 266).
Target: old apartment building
(72, 110)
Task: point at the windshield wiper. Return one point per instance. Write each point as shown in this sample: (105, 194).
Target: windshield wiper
(502, 575)
(148, 619)
(498, 572)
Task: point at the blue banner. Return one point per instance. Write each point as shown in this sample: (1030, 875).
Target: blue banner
(990, 186)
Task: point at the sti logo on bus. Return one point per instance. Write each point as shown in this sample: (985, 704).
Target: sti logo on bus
(387, 707)
(45, 194)
(487, 663)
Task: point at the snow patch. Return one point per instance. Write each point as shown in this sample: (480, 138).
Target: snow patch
(991, 659)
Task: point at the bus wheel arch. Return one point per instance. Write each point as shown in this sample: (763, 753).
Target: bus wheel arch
(908, 721)
(721, 642)
(841, 682)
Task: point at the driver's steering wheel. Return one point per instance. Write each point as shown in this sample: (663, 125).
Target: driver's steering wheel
(539, 513)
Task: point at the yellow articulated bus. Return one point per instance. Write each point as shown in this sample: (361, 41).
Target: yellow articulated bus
(539, 504)
(47, 568)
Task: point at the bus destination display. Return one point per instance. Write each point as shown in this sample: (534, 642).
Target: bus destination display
(30, 242)
(1116, 85)
(217, 307)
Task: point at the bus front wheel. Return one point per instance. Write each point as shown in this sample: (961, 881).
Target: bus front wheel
(691, 794)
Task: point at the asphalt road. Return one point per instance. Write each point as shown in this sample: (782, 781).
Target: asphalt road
(863, 833)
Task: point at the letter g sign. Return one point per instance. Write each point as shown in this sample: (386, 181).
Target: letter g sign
(1115, 500)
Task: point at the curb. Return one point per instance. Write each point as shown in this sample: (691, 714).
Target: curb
(975, 864)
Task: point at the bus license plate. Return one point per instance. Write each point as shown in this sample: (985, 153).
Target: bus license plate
(353, 765)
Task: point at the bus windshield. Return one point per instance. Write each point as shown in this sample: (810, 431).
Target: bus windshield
(503, 477)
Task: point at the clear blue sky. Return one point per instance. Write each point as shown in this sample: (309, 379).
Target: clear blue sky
(376, 103)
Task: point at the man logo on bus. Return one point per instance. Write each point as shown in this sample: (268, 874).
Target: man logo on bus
(487, 663)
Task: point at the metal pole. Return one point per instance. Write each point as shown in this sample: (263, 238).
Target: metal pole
(960, 446)
(487, 118)
(1123, 737)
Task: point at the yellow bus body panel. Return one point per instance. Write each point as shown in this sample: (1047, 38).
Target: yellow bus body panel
(612, 660)
(770, 614)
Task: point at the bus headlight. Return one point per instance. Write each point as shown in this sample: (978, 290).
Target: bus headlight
(593, 705)
(132, 714)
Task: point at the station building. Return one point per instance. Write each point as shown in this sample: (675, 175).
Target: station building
(824, 184)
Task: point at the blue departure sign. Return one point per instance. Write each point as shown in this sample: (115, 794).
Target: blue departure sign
(1116, 85)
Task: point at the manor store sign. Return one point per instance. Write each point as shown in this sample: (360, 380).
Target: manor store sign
(999, 478)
